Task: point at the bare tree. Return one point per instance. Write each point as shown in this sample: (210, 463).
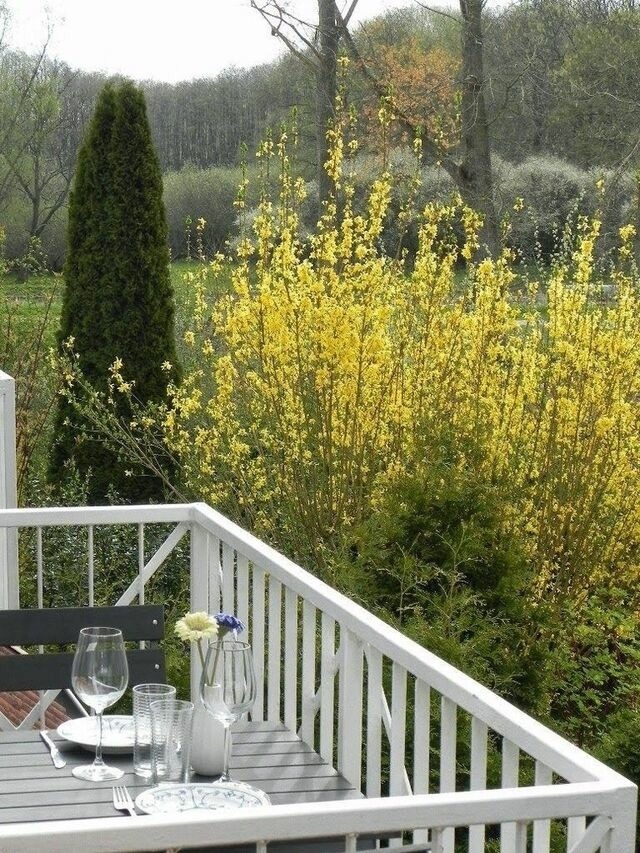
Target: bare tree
(43, 167)
(473, 173)
(316, 45)
(14, 93)
(471, 169)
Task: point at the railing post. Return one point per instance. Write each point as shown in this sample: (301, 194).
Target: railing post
(623, 817)
(350, 697)
(9, 591)
(199, 570)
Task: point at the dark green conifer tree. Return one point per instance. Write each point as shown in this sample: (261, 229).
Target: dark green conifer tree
(118, 299)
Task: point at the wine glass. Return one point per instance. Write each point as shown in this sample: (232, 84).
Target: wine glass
(228, 686)
(99, 677)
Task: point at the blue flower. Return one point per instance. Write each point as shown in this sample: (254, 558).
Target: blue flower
(227, 622)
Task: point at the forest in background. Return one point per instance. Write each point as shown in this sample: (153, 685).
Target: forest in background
(561, 98)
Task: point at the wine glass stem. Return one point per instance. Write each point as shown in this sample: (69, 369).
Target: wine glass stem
(227, 752)
(98, 759)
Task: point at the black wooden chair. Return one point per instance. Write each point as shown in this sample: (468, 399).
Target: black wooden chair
(60, 626)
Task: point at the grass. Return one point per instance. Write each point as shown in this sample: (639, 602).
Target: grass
(28, 303)
(183, 293)
(38, 288)
(29, 306)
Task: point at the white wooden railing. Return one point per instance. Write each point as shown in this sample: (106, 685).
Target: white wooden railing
(375, 704)
(8, 494)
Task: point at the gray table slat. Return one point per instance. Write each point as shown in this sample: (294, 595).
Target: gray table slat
(266, 755)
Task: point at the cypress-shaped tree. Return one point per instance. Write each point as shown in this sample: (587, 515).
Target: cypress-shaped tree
(118, 298)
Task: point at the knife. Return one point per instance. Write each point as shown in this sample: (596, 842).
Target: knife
(57, 759)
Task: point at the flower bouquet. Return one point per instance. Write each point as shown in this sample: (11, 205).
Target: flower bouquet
(209, 756)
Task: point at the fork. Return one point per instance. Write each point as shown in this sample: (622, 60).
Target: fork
(122, 800)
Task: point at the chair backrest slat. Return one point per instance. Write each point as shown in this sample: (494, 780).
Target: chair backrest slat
(60, 625)
(53, 671)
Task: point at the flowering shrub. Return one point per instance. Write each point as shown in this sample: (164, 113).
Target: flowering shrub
(317, 376)
(320, 369)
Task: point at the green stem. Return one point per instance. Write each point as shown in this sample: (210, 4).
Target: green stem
(201, 653)
(215, 660)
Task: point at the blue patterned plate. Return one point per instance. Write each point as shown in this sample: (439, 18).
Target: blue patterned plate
(171, 798)
(117, 733)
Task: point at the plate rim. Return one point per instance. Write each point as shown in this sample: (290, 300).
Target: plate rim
(163, 786)
(91, 743)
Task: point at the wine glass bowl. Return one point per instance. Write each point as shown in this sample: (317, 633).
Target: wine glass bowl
(228, 685)
(99, 677)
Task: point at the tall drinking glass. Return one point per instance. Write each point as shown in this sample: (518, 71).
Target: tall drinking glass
(99, 677)
(228, 686)
(143, 696)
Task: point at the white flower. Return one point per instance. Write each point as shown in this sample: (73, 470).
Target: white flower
(194, 627)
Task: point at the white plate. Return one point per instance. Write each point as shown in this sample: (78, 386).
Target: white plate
(172, 798)
(117, 733)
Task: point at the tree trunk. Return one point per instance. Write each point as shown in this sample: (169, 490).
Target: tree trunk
(636, 242)
(326, 83)
(475, 179)
(35, 198)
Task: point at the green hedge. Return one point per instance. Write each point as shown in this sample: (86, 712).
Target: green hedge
(554, 193)
(191, 194)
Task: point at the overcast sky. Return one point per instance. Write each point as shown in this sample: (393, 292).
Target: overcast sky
(158, 39)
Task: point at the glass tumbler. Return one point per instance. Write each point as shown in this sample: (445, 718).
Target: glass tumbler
(171, 721)
(143, 696)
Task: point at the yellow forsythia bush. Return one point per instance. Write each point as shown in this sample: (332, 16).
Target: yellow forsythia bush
(316, 373)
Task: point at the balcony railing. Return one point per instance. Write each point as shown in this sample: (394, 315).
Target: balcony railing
(418, 737)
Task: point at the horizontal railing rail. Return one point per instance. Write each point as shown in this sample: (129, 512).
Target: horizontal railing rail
(421, 739)
(346, 819)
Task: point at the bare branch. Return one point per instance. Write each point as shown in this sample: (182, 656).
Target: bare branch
(509, 86)
(4, 25)
(25, 93)
(440, 12)
(350, 11)
(277, 17)
(448, 163)
(621, 168)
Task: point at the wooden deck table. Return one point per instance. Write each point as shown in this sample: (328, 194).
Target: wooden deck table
(266, 755)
